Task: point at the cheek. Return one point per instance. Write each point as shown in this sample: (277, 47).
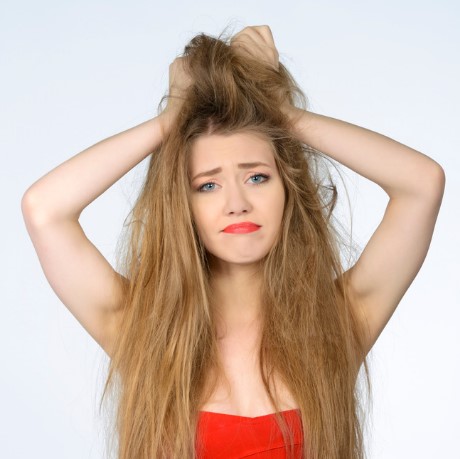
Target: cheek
(201, 218)
(279, 201)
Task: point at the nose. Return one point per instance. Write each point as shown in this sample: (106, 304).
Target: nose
(236, 201)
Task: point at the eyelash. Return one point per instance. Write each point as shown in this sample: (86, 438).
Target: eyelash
(266, 177)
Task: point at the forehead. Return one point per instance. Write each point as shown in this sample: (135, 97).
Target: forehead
(215, 150)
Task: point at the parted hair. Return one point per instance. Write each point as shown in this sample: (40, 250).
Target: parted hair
(165, 361)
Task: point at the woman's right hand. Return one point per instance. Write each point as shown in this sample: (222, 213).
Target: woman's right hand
(179, 82)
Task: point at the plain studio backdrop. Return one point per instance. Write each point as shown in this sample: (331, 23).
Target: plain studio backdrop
(74, 73)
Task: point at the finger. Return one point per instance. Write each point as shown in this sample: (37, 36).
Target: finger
(244, 42)
(258, 33)
(247, 33)
(266, 41)
(265, 32)
(257, 41)
(259, 36)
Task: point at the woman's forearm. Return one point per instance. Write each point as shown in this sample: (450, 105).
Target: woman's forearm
(398, 169)
(67, 189)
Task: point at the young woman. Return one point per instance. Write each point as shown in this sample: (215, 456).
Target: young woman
(232, 326)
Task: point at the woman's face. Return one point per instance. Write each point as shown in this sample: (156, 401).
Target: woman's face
(226, 189)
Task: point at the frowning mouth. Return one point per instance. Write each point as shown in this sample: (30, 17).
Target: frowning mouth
(239, 228)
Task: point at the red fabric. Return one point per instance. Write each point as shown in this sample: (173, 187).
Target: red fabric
(226, 436)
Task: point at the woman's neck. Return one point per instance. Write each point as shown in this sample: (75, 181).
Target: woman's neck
(236, 296)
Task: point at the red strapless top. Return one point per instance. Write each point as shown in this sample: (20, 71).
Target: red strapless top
(227, 436)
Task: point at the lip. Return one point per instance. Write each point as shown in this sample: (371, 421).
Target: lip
(243, 227)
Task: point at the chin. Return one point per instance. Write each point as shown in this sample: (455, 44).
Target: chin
(242, 260)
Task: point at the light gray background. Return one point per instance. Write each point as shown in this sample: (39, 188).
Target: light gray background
(73, 73)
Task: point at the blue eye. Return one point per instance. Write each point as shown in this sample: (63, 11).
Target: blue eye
(260, 175)
(206, 184)
(203, 189)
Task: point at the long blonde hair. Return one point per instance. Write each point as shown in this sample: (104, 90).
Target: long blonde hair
(166, 347)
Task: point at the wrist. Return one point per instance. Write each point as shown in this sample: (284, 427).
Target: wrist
(164, 120)
(294, 115)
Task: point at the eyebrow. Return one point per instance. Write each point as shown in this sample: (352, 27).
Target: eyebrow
(240, 166)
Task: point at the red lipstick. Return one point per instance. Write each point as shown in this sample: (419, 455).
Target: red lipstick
(240, 228)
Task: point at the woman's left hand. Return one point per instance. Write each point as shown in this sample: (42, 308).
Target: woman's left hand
(257, 41)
